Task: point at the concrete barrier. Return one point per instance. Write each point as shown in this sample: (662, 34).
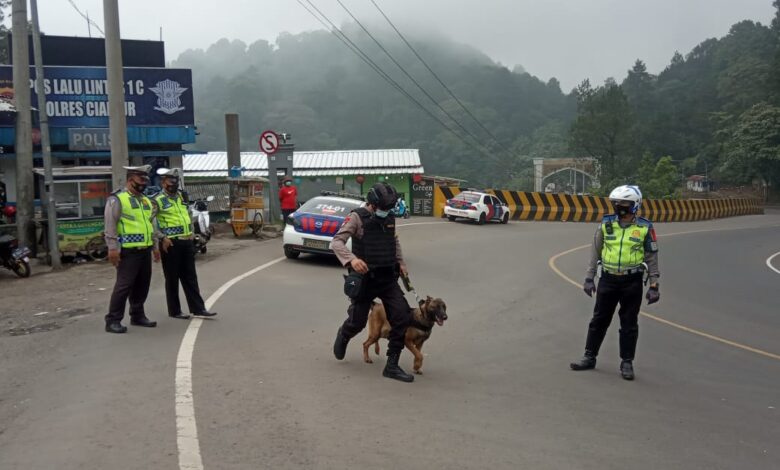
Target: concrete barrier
(574, 208)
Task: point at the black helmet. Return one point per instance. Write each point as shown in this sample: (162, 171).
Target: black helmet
(383, 196)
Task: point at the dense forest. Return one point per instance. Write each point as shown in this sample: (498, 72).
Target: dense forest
(714, 110)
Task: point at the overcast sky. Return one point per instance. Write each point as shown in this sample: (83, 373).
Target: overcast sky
(567, 39)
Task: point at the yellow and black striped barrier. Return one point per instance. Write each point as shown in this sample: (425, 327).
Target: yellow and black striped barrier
(574, 208)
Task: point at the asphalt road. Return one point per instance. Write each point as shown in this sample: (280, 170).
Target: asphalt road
(496, 390)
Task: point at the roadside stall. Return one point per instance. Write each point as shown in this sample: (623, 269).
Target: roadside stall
(246, 204)
(80, 194)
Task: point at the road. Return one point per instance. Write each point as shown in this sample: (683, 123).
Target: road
(496, 390)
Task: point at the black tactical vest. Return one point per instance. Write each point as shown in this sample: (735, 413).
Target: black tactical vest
(377, 247)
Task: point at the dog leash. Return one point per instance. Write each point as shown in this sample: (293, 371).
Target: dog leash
(409, 287)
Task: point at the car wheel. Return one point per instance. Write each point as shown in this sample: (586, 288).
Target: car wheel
(451, 218)
(290, 253)
(505, 219)
(481, 220)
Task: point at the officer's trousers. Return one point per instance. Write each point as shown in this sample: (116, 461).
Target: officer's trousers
(386, 288)
(179, 266)
(133, 276)
(613, 290)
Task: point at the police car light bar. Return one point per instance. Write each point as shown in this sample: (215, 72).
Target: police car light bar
(342, 194)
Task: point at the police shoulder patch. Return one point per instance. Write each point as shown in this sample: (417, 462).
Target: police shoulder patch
(609, 218)
(643, 221)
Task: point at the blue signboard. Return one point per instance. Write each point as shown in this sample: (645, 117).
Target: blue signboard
(78, 96)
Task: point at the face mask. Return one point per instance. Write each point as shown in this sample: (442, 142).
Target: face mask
(381, 214)
(171, 187)
(622, 211)
(139, 187)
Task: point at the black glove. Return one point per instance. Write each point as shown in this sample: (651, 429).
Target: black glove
(653, 295)
(589, 287)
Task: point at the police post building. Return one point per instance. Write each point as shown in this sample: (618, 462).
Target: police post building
(160, 120)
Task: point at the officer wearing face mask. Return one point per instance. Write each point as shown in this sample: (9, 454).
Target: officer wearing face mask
(174, 230)
(130, 238)
(624, 244)
(374, 264)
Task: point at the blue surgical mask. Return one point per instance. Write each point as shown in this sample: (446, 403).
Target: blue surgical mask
(381, 214)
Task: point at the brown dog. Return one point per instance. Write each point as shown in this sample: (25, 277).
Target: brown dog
(429, 312)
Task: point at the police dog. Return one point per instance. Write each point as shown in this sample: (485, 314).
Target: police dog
(429, 312)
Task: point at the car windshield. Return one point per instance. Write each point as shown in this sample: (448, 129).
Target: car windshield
(468, 197)
(329, 206)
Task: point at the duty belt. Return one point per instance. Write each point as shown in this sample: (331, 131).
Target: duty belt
(171, 231)
(637, 270)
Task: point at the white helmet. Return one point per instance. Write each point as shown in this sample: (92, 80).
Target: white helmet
(629, 193)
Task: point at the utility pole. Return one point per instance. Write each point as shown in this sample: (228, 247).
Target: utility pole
(116, 95)
(51, 212)
(23, 144)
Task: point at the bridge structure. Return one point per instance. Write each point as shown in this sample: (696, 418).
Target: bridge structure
(580, 169)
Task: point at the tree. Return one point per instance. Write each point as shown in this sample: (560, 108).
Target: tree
(604, 129)
(658, 179)
(752, 149)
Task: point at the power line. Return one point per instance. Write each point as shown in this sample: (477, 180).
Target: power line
(363, 56)
(484, 128)
(431, 98)
(89, 21)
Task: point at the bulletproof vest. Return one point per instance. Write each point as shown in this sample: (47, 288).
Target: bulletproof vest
(377, 247)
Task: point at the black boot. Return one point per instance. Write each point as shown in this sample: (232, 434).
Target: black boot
(340, 345)
(115, 327)
(394, 371)
(587, 362)
(627, 369)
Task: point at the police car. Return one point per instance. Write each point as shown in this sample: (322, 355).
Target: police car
(311, 228)
(477, 206)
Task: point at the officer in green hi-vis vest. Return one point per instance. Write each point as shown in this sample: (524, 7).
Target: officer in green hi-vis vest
(130, 238)
(174, 230)
(625, 245)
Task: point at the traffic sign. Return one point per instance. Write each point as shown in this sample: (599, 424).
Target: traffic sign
(269, 142)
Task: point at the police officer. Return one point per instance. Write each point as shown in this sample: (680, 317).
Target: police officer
(622, 243)
(376, 255)
(130, 238)
(174, 230)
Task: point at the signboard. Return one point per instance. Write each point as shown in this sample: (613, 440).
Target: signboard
(80, 235)
(269, 142)
(422, 198)
(78, 96)
(89, 139)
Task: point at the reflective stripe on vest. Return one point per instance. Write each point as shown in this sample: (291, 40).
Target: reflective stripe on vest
(135, 226)
(173, 217)
(624, 249)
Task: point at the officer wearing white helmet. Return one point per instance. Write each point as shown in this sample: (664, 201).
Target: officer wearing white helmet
(625, 245)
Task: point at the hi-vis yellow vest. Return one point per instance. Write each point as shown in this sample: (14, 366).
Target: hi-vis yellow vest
(172, 216)
(135, 226)
(624, 248)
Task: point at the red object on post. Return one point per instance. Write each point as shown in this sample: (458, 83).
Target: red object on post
(417, 178)
(360, 179)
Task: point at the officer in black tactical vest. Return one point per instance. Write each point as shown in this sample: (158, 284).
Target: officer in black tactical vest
(374, 265)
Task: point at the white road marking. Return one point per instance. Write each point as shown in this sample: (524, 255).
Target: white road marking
(769, 263)
(186, 427)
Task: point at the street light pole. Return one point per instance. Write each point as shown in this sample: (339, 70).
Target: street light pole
(23, 146)
(116, 94)
(51, 212)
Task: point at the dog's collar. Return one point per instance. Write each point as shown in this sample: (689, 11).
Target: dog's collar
(421, 326)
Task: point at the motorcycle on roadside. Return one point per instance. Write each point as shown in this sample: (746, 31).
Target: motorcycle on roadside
(15, 257)
(201, 223)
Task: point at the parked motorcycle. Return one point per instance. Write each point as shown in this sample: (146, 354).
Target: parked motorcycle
(201, 222)
(401, 210)
(15, 257)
